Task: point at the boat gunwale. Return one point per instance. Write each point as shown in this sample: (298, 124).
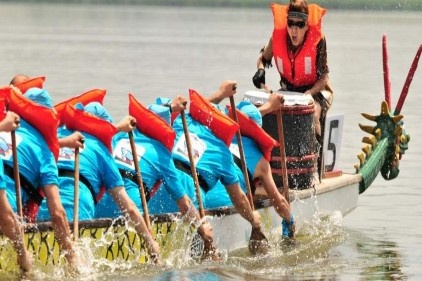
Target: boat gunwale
(261, 201)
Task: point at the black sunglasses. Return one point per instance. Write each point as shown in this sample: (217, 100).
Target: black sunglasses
(300, 24)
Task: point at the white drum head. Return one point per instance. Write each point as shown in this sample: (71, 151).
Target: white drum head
(259, 97)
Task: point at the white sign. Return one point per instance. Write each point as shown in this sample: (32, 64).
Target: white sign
(332, 141)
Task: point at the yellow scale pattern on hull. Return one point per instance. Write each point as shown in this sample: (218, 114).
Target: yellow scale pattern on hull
(111, 243)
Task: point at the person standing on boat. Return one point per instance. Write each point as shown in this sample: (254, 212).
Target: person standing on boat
(37, 152)
(299, 49)
(214, 162)
(167, 189)
(257, 146)
(98, 171)
(9, 224)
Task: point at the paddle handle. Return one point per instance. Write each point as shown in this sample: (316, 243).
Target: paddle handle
(283, 155)
(139, 180)
(76, 198)
(16, 175)
(242, 155)
(192, 165)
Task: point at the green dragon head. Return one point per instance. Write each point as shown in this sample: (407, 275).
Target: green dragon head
(386, 144)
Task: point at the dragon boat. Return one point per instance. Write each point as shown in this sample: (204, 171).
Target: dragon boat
(115, 240)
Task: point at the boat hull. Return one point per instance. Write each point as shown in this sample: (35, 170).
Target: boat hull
(115, 240)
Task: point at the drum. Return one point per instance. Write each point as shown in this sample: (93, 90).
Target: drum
(299, 137)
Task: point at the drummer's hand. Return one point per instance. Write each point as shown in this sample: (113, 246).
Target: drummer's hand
(308, 92)
(259, 78)
(266, 88)
(178, 104)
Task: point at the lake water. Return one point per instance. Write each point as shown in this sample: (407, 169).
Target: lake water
(151, 52)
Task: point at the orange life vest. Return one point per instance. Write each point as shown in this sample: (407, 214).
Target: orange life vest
(305, 61)
(2, 108)
(250, 129)
(151, 124)
(80, 120)
(43, 119)
(37, 82)
(220, 125)
(85, 98)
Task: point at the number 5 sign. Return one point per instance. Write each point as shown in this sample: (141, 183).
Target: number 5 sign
(332, 141)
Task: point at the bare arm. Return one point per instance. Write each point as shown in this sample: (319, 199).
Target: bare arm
(59, 222)
(319, 85)
(73, 141)
(129, 208)
(127, 124)
(227, 89)
(241, 203)
(10, 122)
(275, 101)
(266, 55)
(178, 104)
(189, 210)
(11, 228)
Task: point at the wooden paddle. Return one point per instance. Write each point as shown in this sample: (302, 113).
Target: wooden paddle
(258, 243)
(283, 155)
(76, 196)
(139, 180)
(16, 176)
(192, 165)
(242, 155)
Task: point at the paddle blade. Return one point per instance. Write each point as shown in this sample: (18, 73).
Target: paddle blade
(258, 243)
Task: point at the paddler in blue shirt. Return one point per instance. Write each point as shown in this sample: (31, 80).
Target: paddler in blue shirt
(257, 163)
(9, 223)
(37, 148)
(154, 139)
(213, 159)
(98, 170)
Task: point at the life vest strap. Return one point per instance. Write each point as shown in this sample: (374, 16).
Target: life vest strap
(133, 177)
(186, 169)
